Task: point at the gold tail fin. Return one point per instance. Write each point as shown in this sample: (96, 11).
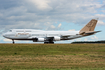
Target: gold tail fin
(89, 27)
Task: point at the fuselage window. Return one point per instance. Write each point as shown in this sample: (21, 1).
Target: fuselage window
(35, 34)
(27, 31)
(53, 35)
(38, 34)
(19, 31)
(10, 30)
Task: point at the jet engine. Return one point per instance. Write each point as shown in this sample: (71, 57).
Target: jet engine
(56, 38)
(38, 39)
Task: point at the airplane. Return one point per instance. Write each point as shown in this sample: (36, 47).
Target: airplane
(50, 36)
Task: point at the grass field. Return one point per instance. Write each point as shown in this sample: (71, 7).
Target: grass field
(52, 56)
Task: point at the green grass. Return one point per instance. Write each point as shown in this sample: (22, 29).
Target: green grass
(52, 56)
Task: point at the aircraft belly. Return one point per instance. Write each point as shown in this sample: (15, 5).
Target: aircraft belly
(71, 37)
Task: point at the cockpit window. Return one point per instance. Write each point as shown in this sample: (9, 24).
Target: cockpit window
(10, 30)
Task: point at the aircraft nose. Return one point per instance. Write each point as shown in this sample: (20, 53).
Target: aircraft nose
(4, 35)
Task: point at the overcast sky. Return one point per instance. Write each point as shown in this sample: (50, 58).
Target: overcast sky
(60, 15)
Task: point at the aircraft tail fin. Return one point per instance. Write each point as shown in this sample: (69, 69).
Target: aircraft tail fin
(89, 27)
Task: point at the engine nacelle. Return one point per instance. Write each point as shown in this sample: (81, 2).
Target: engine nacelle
(56, 38)
(38, 39)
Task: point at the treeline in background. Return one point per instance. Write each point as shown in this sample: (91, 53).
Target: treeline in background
(88, 42)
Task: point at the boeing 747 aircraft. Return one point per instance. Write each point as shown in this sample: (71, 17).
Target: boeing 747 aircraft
(50, 36)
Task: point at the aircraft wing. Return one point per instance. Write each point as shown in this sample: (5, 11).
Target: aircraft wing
(65, 35)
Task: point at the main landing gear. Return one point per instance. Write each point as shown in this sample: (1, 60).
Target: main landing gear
(48, 42)
(13, 42)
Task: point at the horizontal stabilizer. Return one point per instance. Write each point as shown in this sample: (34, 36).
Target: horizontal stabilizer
(89, 33)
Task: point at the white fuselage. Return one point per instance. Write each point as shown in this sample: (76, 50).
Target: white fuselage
(42, 36)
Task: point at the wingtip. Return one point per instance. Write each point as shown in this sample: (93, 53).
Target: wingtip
(98, 31)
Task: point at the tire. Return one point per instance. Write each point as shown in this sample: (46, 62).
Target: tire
(48, 42)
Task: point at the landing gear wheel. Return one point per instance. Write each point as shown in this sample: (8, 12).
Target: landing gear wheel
(48, 42)
(13, 42)
(51, 42)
